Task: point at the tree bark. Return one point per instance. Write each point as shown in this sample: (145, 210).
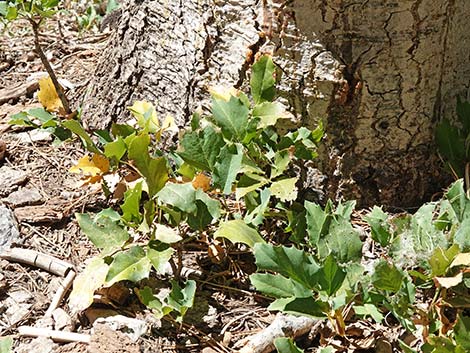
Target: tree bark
(379, 74)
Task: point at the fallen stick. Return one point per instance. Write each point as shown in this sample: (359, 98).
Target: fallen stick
(33, 258)
(282, 326)
(59, 295)
(17, 92)
(57, 336)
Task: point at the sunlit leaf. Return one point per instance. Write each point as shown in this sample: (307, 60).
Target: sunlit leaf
(449, 282)
(166, 234)
(278, 286)
(380, 229)
(285, 189)
(6, 344)
(146, 116)
(159, 254)
(103, 232)
(86, 283)
(131, 265)
(91, 166)
(181, 196)
(387, 277)
(228, 166)
(47, 95)
(262, 80)
(181, 298)
(231, 117)
(269, 113)
(238, 231)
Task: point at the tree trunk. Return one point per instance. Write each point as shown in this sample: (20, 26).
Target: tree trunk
(379, 73)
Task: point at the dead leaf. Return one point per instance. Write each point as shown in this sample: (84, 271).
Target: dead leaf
(216, 252)
(202, 181)
(461, 260)
(448, 282)
(92, 168)
(48, 96)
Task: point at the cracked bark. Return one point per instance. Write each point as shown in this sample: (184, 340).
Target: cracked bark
(380, 74)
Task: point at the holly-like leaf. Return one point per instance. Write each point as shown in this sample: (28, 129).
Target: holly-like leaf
(154, 170)
(238, 231)
(159, 254)
(147, 298)
(462, 332)
(116, 149)
(231, 117)
(131, 206)
(301, 306)
(86, 283)
(342, 241)
(278, 286)
(208, 210)
(262, 80)
(48, 96)
(331, 276)
(166, 234)
(387, 277)
(130, 265)
(285, 189)
(268, 113)
(369, 310)
(318, 222)
(103, 232)
(181, 196)
(201, 149)
(286, 345)
(78, 130)
(146, 116)
(181, 299)
(289, 262)
(228, 166)
(380, 229)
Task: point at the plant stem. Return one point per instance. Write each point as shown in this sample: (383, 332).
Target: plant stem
(48, 67)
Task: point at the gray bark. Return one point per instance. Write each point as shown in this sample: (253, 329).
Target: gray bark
(379, 74)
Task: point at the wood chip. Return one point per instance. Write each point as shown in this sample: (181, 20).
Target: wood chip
(38, 214)
(17, 92)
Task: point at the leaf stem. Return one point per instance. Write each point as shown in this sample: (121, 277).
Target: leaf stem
(48, 67)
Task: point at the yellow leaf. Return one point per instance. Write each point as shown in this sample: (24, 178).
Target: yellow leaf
(223, 93)
(146, 115)
(48, 96)
(94, 166)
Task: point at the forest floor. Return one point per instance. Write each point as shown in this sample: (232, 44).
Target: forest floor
(226, 310)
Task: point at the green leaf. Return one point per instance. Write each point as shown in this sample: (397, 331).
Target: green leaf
(318, 222)
(86, 283)
(3, 12)
(327, 349)
(380, 229)
(343, 241)
(458, 200)
(441, 259)
(231, 117)
(256, 216)
(463, 113)
(331, 276)
(78, 130)
(289, 262)
(181, 196)
(154, 170)
(131, 265)
(278, 286)
(201, 149)
(285, 189)
(116, 149)
(208, 210)
(6, 344)
(228, 166)
(181, 299)
(147, 298)
(22, 119)
(387, 277)
(42, 115)
(111, 6)
(462, 332)
(268, 113)
(286, 345)
(301, 306)
(369, 310)
(461, 236)
(238, 231)
(131, 205)
(166, 234)
(451, 145)
(159, 254)
(262, 80)
(103, 232)
(12, 13)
